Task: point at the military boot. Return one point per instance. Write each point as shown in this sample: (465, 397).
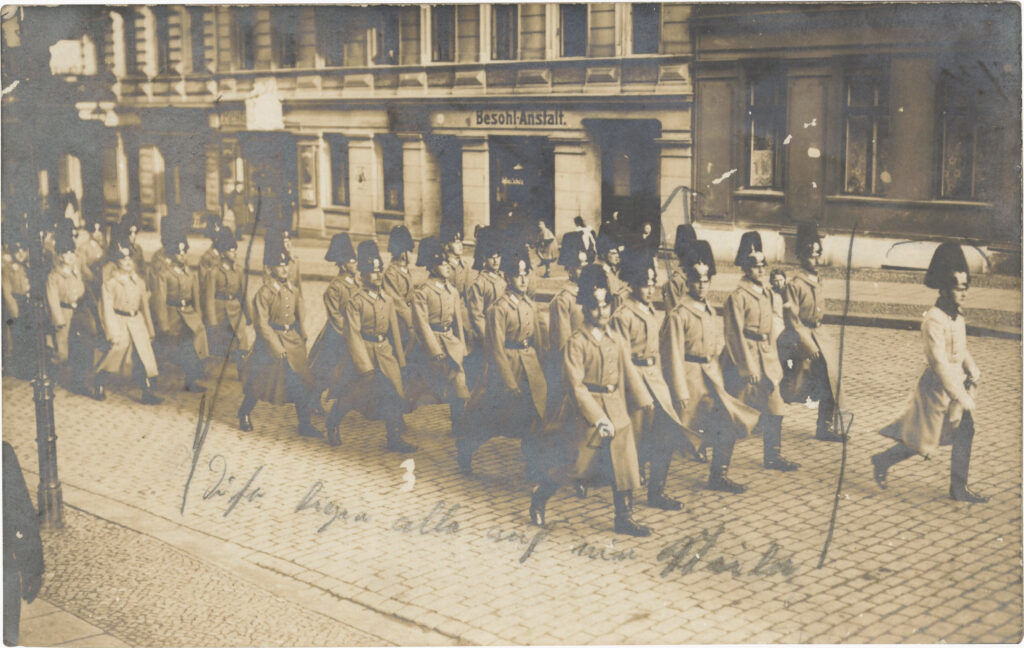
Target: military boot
(624, 522)
(396, 443)
(721, 455)
(960, 462)
(148, 397)
(656, 497)
(773, 459)
(542, 492)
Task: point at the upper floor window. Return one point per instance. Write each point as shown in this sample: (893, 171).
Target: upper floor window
(284, 29)
(162, 22)
(504, 32)
(442, 22)
(766, 113)
(244, 38)
(387, 36)
(646, 28)
(131, 42)
(966, 133)
(574, 29)
(197, 38)
(342, 35)
(866, 133)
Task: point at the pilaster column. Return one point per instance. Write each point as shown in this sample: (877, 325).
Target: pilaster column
(476, 184)
(414, 180)
(577, 184)
(675, 192)
(362, 183)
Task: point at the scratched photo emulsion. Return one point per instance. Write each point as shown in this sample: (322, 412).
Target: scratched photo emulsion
(511, 324)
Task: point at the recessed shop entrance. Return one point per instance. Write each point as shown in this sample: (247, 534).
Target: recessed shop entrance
(522, 183)
(629, 170)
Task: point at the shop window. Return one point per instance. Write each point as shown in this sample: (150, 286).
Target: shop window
(504, 32)
(766, 112)
(244, 38)
(162, 22)
(284, 29)
(866, 130)
(131, 42)
(965, 136)
(574, 29)
(442, 22)
(646, 28)
(339, 170)
(390, 148)
(197, 38)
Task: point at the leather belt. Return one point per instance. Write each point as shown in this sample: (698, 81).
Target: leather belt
(282, 327)
(179, 303)
(225, 297)
(642, 361)
(67, 305)
(441, 328)
(812, 325)
(756, 337)
(125, 313)
(371, 337)
(696, 358)
(509, 344)
(600, 389)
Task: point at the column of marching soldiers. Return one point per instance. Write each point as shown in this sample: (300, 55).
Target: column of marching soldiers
(605, 399)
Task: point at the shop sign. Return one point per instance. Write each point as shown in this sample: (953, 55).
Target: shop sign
(509, 118)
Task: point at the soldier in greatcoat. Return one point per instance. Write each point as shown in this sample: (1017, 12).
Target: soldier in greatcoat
(170, 231)
(488, 286)
(691, 349)
(282, 238)
(90, 249)
(179, 319)
(511, 399)
(940, 410)
(128, 327)
(675, 288)
(565, 315)
(810, 372)
(65, 290)
(277, 370)
(377, 390)
(398, 281)
(329, 358)
(655, 429)
(125, 232)
(209, 260)
(609, 254)
(592, 427)
(224, 305)
(19, 344)
(451, 240)
(434, 364)
(750, 364)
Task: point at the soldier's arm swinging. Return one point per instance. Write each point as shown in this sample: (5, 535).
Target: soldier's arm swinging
(356, 344)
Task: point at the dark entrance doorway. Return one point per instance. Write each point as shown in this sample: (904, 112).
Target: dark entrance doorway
(629, 172)
(448, 150)
(522, 184)
(272, 174)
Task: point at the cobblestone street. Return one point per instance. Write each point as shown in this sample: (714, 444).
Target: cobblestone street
(456, 557)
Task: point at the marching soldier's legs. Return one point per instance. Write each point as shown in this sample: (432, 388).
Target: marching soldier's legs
(395, 424)
(771, 426)
(960, 461)
(826, 430)
(721, 456)
(304, 412)
(883, 461)
(542, 492)
(145, 382)
(624, 522)
(99, 382)
(660, 448)
(248, 404)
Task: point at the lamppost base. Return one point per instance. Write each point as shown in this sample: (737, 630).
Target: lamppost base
(51, 508)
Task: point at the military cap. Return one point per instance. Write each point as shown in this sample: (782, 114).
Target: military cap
(515, 261)
(806, 236)
(274, 251)
(120, 250)
(573, 254)
(948, 261)
(684, 235)
(487, 245)
(176, 245)
(606, 243)
(369, 257)
(750, 251)
(122, 229)
(225, 240)
(340, 251)
(700, 262)
(431, 253)
(399, 241)
(449, 232)
(171, 228)
(64, 238)
(593, 283)
(638, 268)
(213, 225)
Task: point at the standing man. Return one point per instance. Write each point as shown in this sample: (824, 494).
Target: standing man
(398, 279)
(547, 250)
(815, 358)
(451, 240)
(485, 290)
(750, 365)
(940, 410)
(210, 259)
(126, 232)
(565, 315)
(675, 288)
(511, 400)
(278, 371)
(691, 348)
(178, 316)
(377, 391)
(225, 302)
(282, 238)
(593, 422)
(655, 427)
(609, 253)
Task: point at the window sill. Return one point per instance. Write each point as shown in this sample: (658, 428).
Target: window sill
(896, 202)
(336, 209)
(389, 214)
(769, 194)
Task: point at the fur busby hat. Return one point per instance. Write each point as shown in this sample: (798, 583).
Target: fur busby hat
(515, 260)
(399, 241)
(340, 250)
(120, 250)
(573, 254)
(64, 238)
(700, 262)
(225, 240)
(487, 245)
(123, 228)
(368, 256)
(606, 243)
(685, 234)
(948, 261)
(638, 268)
(593, 283)
(431, 253)
(806, 237)
(213, 226)
(274, 251)
(175, 245)
(450, 233)
(750, 251)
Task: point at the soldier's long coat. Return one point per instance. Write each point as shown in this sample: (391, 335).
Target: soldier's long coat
(674, 290)
(438, 330)
(278, 317)
(565, 317)
(126, 292)
(329, 358)
(932, 413)
(224, 305)
(803, 316)
(64, 291)
(174, 286)
(399, 286)
(748, 310)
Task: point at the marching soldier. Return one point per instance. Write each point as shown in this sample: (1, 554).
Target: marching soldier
(511, 400)
(565, 316)
(675, 288)
(18, 341)
(179, 319)
(451, 240)
(210, 258)
(64, 292)
(691, 349)
(485, 290)
(593, 423)
(435, 361)
(128, 327)
(814, 358)
(398, 279)
(125, 232)
(654, 428)
(609, 254)
(750, 365)
(224, 307)
(89, 249)
(329, 358)
(170, 231)
(940, 410)
(282, 238)
(277, 370)
(377, 391)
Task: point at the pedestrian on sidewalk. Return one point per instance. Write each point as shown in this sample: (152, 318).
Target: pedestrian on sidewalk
(329, 359)
(691, 349)
(179, 320)
(277, 370)
(128, 327)
(511, 398)
(485, 290)
(656, 429)
(546, 246)
(940, 410)
(592, 429)
(398, 279)
(676, 287)
(609, 254)
(750, 365)
(377, 390)
(810, 372)
(226, 315)
(23, 546)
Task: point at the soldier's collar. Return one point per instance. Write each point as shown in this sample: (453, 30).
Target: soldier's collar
(598, 333)
(372, 293)
(698, 307)
(807, 276)
(512, 297)
(439, 284)
(949, 308)
(638, 305)
(753, 287)
(349, 279)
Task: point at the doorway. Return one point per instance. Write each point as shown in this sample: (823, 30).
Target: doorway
(449, 159)
(629, 172)
(271, 166)
(522, 184)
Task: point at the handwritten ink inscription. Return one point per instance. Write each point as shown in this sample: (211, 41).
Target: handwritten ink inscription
(314, 501)
(223, 485)
(694, 552)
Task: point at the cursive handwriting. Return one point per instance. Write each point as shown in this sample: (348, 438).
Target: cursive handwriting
(312, 501)
(684, 556)
(521, 539)
(219, 468)
(431, 524)
(592, 551)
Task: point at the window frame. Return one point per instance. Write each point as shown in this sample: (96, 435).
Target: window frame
(776, 114)
(131, 41)
(162, 36)
(515, 40)
(562, 29)
(388, 144)
(958, 97)
(284, 42)
(633, 28)
(453, 36)
(196, 16)
(877, 73)
(243, 38)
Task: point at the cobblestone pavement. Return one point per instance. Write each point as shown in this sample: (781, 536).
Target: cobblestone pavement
(457, 555)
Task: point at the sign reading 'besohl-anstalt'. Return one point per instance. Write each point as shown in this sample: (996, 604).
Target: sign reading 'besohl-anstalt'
(520, 118)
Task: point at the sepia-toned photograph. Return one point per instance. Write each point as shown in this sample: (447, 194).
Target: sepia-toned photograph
(511, 324)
